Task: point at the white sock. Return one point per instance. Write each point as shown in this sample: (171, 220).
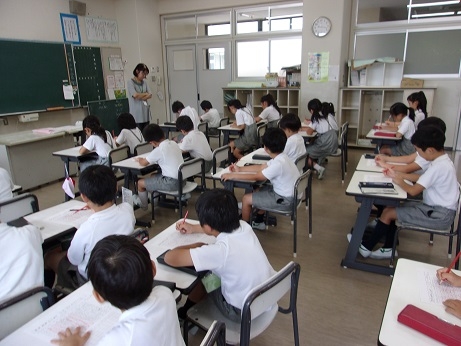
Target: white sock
(317, 167)
(143, 196)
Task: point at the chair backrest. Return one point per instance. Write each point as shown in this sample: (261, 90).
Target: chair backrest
(18, 206)
(301, 185)
(267, 294)
(224, 122)
(191, 168)
(203, 127)
(301, 163)
(119, 154)
(219, 155)
(261, 130)
(215, 335)
(19, 310)
(142, 148)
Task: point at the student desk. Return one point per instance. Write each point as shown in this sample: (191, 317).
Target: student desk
(306, 136)
(167, 128)
(366, 203)
(133, 169)
(369, 165)
(381, 140)
(407, 289)
(227, 131)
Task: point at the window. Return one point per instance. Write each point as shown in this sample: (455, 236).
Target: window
(214, 58)
(213, 24)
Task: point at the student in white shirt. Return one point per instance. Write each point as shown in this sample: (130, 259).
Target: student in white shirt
(130, 134)
(295, 146)
(271, 112)
(405, 130)
(179, 109)
(96, 141)
(329, 110)
(418, 102)
(98, 186)
(121, 272)
(245, 122)
(211, 116)
(237, 256)
(6, 185)
(194, 142)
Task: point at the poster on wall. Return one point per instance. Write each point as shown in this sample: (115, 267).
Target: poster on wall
(70, 29)
(101, 30)
(317, 68)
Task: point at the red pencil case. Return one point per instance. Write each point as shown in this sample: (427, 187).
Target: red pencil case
(384, 134)
(429, 324)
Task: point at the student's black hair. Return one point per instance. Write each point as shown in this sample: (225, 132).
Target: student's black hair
(218, 209)
(153, 133)
(422, 101)
(98, 183)
(140, 68)
(433, 121)
(234, 103)
(398, 108)
(269, 99)
(120, 270)
(328, 108)
(205, 105)
(275, 139)
(290, 121)
(315, 106)
(428, 137)
(126, 121)
(92, 122)
(177, 106)
(184, 123)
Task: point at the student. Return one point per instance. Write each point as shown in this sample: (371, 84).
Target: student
(418, 102)
(329, 110)
(179, 109)
(6, 185)
(237, 257)
(21, 267)
(194, 142)
(138, 94)
(326, 142)
(438, 184)
(98, 186)
(130, 134)
(453, 306)
(271, 112)
(245, 122)
(280, 170)
(405, 129)
(211, 116)
(121, 273)
(96, 141)
(295, 146)
(168, 156)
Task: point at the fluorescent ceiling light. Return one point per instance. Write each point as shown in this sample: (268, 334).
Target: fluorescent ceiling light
(441, 3)
(433, 14)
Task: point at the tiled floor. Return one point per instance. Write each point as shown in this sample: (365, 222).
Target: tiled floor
(336, 306)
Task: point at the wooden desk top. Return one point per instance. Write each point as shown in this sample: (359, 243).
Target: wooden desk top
(361, 176)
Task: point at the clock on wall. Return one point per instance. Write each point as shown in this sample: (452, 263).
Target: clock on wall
(321, 26)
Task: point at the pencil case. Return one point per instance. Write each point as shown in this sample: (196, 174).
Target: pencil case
(385, 134)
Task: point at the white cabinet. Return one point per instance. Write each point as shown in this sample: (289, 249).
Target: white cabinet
(378, 74)
(287, 99)
(363, 107)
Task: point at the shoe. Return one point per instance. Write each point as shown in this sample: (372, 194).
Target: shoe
(261, 226)
(321, 172)
(362, 249)
(185, 197)
(383, 253)
(137, 201)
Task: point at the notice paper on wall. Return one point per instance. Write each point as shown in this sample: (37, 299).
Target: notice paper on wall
(68, 92)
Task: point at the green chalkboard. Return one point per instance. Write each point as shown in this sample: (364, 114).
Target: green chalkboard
(32, 76)
(107, 111)
(89, 74)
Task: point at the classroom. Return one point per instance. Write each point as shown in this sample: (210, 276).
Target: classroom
(336, 305)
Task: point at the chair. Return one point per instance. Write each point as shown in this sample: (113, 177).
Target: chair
(223, 122)
(19, 310)
(448, 232)
(142, 148)
(259, 308)
(116, 155)
(219, 155)
(18, 206)
(301, 189)
(215, 335)
(203, 127)
(187, 169)
(342, 150)
(260, 131)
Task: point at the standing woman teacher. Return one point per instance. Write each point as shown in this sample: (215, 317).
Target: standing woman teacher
(138, 94)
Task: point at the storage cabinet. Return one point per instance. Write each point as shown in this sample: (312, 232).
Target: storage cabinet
(287, 99)
(378, 74)
(363, 107)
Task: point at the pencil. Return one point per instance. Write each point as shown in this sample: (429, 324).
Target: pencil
(185, 217)
(452, 264)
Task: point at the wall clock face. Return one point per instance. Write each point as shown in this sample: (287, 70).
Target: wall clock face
(321, 26)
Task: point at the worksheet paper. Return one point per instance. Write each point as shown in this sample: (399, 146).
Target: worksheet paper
(71, 217)
(432, 291)
(178, 239)
(377, 179)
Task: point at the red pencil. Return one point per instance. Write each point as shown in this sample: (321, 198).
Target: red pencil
(452, 264)
(185, 217)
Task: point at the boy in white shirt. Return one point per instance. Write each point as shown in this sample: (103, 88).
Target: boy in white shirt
(167, 155)
(280, 170)
(6, 185)
(121, 272)
(98, 186)
(438, 184)
(211, 116)
(194, 142)
(178, 108)
(295, 146)
(237, 256)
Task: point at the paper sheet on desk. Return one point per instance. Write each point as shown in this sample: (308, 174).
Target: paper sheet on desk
(71, 217)
(177, 239)
(377, 179)
(431, 291)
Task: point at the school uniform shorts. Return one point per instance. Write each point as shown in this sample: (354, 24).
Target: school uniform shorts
(266, 198)
(423, 215)
(160, 182)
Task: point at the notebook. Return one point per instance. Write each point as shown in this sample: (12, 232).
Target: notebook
(372, 188)
(189, 270)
